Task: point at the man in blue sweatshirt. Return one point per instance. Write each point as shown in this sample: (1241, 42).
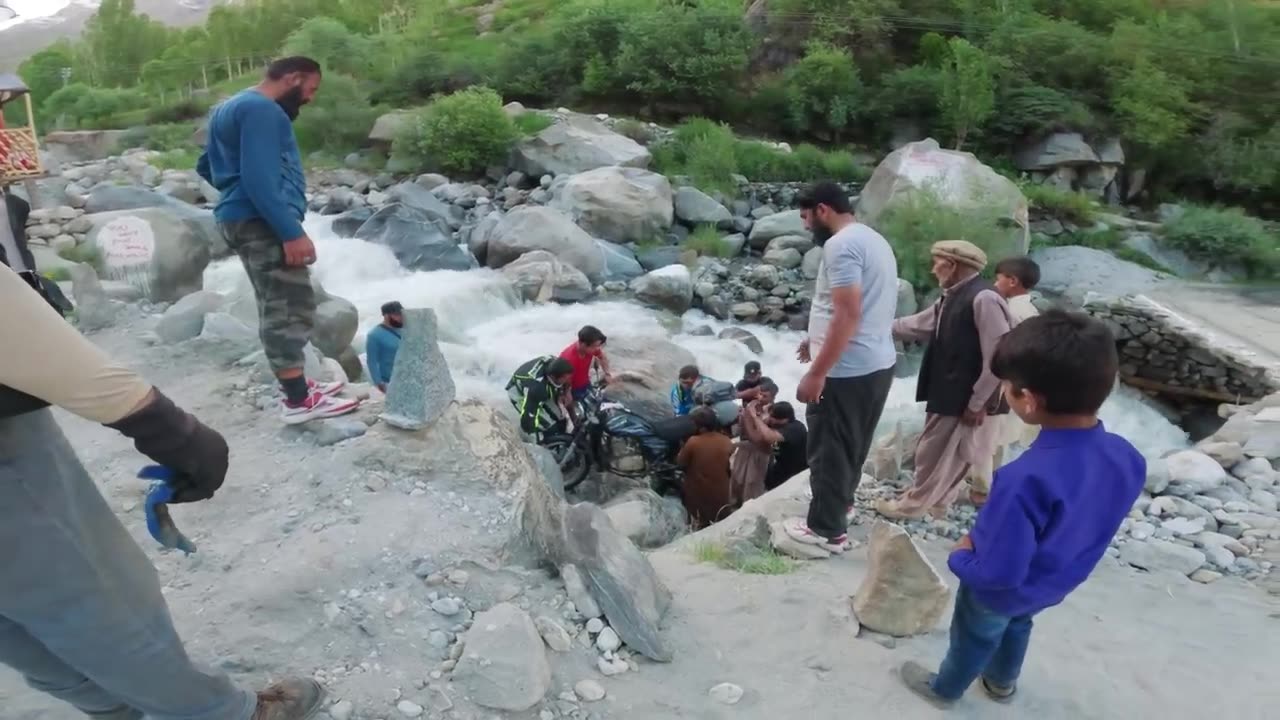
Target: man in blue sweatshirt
(1052, 512)
(252, 158)
(382, 343)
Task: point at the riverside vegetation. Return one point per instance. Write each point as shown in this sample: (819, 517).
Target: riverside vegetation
(1183, 85)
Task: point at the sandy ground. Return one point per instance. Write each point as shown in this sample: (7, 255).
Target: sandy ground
(297, 529)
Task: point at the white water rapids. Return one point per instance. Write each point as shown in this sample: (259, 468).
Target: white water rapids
(486, 332)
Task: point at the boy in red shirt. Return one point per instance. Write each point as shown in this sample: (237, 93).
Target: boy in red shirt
(582, 355)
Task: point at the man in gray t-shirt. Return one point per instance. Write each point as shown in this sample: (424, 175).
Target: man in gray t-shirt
(851, 355)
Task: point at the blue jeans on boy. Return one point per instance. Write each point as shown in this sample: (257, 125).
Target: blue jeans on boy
(983, 642)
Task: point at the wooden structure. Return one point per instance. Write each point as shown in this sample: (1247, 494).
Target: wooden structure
(19, 148)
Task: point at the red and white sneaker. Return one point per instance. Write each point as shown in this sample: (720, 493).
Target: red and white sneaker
(330, 388)
(798, 530)
(315, 407)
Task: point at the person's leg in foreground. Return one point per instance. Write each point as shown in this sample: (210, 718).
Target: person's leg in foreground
(983, 644)
(286, 316)
(79, 600)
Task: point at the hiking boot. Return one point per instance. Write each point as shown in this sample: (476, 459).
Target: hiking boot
(316, 406)
(998, 693)
(327, 388)
(290, 699)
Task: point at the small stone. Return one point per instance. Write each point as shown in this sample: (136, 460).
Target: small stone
(556, 637)
(595, 625)
(608, 640)
(409, 709)
(546, 715)
(609, 668)
(1205, 576)
(589, 690)
(726, 693)
(458, 577)
(342, 710)
(447, 606)
(423, 569)
(438, 639)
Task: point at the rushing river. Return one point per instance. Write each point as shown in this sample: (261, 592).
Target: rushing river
(486, 332)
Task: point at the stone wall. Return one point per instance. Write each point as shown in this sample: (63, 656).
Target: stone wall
(1157, 346)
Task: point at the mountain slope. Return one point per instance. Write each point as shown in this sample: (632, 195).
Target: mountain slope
(20, 41)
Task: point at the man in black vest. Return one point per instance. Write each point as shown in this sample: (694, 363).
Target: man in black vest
(960, 394)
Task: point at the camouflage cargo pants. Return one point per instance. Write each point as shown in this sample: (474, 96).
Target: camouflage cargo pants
(286, 300)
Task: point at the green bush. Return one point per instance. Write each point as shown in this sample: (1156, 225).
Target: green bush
(1224, 236)
(634, 129)
(707, 242)
(915, 223)
(176, 159)
(1110, 240)
(462, 133)
(531, 123)
(824, 92)
(181, 111)
(338, 120)
(1062, 204)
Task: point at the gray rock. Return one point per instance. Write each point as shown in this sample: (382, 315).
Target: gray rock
(1220, 557)
(669, 288)
(617, 575)
(1192, 472)
(648, 519)
(786, 258)
(659, 256)
(94, 310)
(577, 145)
(342, 710)
(113, 198)
(642, 369)
(1157, 476)
(1171, 258)
(332, 431)
(388, 126)
(185, 319)
(1075, 272)
(811, 265)
(226, 329)
(726, 693)
(336, 322)
(539, 276)
(554, 635)
(348, 223)
(764, 276)
(504, 666)
(777, 225)
(162, 252)
(578, 594)
(421, 386)
(1227, 454)
(608, 641)
(800, 243)
(619, 204)
(447, 606)
(589, 690)
(1264, 442)
(902, 594)
(733, 244)
(745, 310)
(1159, 555)
(528, 228)
(1056, 150)
(695, 207)
(419, 240)
(620, 263)
(744, 336)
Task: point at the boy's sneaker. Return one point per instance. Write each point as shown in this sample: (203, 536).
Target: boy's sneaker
(328, 388)
(799, 531)
(316, 406)
(290, 699)
(838, 545)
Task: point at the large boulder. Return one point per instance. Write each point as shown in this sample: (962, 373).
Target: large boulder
(348, 223)
(160, 252)
(504, 665)
(957, 180)
(185, 319)
(648, 519)
(422, 387)
(644, 368)
(478, 237)
(1056, 150)
(1192, 472)
(775, 226)
(77, 146)
(418, 240)
(670, 288)
(420, 198)
(1161, 556)
(388, 126)
(617, 576)
(94, 309)
(109, 198)
(529, 228)
(1075, 272)
(539, 276)
(694, 207)
(336, 322)
(902, 594)
(617, 203)
(654, 257)
(574, 145)
(620, 263)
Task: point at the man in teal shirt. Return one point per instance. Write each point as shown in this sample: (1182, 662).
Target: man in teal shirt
(382, 344)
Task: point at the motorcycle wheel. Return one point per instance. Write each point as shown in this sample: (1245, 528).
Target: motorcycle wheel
(573, 461)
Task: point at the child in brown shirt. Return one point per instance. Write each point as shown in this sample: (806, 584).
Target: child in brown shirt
(705, 460)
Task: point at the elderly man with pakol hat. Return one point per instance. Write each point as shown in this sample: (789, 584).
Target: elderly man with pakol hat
(960, 394)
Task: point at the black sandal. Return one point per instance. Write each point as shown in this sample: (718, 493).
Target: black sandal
(1000, 695)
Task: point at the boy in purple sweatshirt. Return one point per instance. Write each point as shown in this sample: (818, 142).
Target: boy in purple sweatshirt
(1052, 512)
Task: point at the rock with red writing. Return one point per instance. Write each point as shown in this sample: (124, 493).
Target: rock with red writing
(161, 252)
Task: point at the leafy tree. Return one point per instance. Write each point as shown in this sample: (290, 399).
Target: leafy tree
(824, 91)
(339, 119)
(42, 72)
(1152, 105)
(1027, 110)
(968, 90)
(332, 44)
(460, 133)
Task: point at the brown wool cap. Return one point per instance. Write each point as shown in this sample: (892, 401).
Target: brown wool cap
(960, 251)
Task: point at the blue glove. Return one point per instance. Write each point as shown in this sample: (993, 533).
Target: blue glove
(159, 523)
